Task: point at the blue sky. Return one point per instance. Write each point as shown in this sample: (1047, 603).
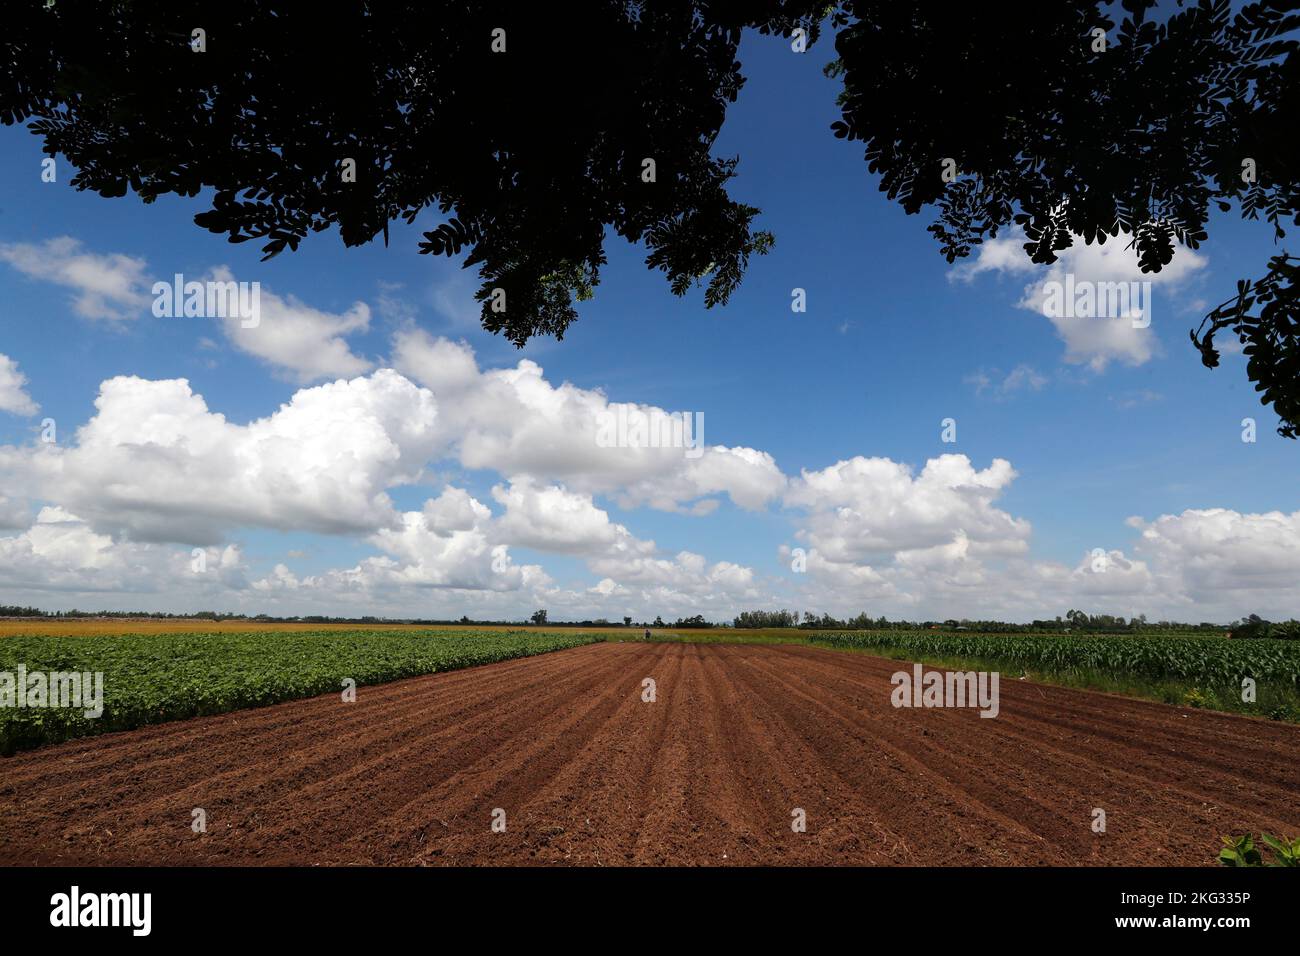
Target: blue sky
(894, 340)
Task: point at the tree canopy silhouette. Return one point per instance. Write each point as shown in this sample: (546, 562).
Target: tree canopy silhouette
(1075, 120)
(1072, 135)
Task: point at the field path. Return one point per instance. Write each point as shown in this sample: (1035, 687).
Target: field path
(709, 773)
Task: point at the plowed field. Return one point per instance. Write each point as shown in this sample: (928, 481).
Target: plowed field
(588, 773)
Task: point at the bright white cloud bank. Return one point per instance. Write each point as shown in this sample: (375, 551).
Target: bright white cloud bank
(154, 463)
(1090, 339)
(149, 503)
(13, 395)
(515, 422)
(300, 342)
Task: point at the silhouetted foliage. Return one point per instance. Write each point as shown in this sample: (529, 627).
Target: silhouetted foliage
(1270, 340)
(696, 621)
(530, 155)
(1066, 140)
(1254, 627)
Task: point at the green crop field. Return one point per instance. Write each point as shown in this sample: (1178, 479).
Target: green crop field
(156, 676)
(150, 678)
(1200, 671)
(1214, 660)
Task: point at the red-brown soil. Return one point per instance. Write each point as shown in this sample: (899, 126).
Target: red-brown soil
(587, 773)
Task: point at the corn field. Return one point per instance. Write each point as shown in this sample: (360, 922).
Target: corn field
(1213, 661)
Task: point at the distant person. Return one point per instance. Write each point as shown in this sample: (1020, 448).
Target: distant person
(647, 633)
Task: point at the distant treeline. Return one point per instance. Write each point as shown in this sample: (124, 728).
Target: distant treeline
(1073, 621)
(15, 611)
(539, 618)
(1252, 626)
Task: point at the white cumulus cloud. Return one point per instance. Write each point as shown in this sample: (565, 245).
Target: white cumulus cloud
(1091, 340)
(156, 463)
(109, 287)
(13, 389)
